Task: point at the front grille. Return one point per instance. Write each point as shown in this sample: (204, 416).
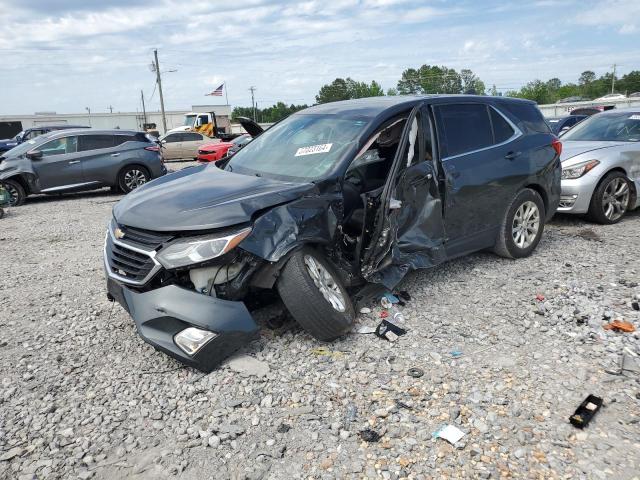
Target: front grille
(144, 238)
(129, 265)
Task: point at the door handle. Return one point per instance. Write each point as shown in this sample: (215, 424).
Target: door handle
(73, 162)
(512, 155)
(115, 154)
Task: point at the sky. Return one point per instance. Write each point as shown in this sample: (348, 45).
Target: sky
(67, 55)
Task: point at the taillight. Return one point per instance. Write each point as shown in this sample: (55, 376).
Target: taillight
(557, 146)
(153, 148)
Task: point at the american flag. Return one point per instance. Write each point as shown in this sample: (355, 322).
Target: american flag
(217, 92)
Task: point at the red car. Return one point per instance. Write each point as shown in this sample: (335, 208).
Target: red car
(217, 151)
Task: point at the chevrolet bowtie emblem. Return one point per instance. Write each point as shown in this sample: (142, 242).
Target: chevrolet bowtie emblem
(118, 233)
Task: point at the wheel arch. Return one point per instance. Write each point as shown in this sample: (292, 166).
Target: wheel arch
(540, 190)
(132, 164)
(22, 180)
(634, 192)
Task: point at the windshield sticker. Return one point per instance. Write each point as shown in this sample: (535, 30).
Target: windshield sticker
(634, 117)
(313, 149)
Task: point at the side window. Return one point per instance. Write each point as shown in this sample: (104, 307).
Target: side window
(203, 119)
(191, 137)
(120, 139)
(463, 128)
(502, 131)
(33, 134)
(94, 142)
(173, 138)
(59, 146)
(529, 115)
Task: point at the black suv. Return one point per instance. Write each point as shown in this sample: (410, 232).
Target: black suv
(331, 199)
(31, 133)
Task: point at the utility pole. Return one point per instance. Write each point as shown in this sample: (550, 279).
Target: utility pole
(144, 110)
(253, 103)
(613, 78)
(110, 109)
(159, 81)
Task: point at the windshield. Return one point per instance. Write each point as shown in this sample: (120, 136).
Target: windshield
(302, 147)
(614, 128)
(22, 148)
(189, 120)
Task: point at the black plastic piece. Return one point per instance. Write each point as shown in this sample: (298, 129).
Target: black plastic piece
(586, 411)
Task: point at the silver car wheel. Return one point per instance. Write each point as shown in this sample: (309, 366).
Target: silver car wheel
(325, 283)
(134, 178)
(13, 193)
(615, 199)
(526, 223)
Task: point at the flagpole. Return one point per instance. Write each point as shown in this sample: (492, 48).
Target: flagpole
(226, 93)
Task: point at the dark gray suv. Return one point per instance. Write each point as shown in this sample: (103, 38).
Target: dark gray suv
(75, 160)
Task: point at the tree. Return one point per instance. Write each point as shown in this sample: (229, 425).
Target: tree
(554, 84)
(341, 89)
(586, 77)
(493, 91)
(630, 82)
(392, 92)
(271, 114)
(439, 79)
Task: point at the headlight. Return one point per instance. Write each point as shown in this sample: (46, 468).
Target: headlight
(189, 251)
(576, 171)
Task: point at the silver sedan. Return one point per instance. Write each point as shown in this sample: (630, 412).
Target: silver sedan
(601, 166)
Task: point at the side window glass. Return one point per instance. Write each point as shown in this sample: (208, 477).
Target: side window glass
(120, 139)
(95, 142)
(502, 131)
(191, 137)
(172, 138)
(464, 128)
(204, 119)
(59, 146)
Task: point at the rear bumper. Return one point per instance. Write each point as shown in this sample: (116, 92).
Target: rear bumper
(162, 313)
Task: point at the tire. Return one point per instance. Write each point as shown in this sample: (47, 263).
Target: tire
(518, 236)
(307, 303)
(16, 190)
(605, 192)
(132, 177)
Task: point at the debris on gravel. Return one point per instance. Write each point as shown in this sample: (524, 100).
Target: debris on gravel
(82, 396)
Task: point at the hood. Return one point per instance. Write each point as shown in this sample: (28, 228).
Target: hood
(203, 198)
(572, 148)
(212, 147)
(251, 127)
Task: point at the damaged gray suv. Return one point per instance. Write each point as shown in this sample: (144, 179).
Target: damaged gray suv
(332, 199)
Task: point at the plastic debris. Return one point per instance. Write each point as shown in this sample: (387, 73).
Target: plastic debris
(396, 315)
(540, 297)
(415, 372)
(389, 331)
(369, 435)
(391, 297)
(620, 326)
(284, 428)
(325, 352)
(384, 314)
(586, 411)
(385, 302)
(456, 353)
(635, 306)
(366, 329)
(365, 310)
(449, 433)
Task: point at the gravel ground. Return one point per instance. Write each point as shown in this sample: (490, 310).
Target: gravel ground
(82, 396)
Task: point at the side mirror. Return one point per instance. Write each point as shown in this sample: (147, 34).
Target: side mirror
(163, 141)
(34, 154)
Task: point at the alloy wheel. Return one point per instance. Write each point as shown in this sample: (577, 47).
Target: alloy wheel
(325, 283)
(526, 223)
(14, 195)
(615, 199)
(134, 178)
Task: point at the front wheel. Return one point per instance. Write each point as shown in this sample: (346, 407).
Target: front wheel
(311, 290)
(17, 195)
(132, 177)
(610, 200)
(522, 226)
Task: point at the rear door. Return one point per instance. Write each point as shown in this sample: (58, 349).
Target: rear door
(409, 230)
(98, 157)
(480, 163)
(191, 142)
(58, 168)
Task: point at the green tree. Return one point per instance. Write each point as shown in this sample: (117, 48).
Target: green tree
(630, 82)
(272, 114)
(493, 91)
(471, 83)
(586, 77)
(341, 89)
(439, 79)
(392, 92)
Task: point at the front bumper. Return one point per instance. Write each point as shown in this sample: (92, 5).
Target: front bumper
(162, 313)
(576, 194)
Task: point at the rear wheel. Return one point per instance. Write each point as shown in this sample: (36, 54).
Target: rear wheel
(16, 192)
(522, 226)
(132, 177)
(312, 292)
(610, 200)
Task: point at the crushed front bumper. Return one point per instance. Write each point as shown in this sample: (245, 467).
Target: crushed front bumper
(162, 313)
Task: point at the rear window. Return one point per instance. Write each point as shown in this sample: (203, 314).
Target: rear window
(191, 137)
(529, 115)
(94, 142)
(464, 128)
